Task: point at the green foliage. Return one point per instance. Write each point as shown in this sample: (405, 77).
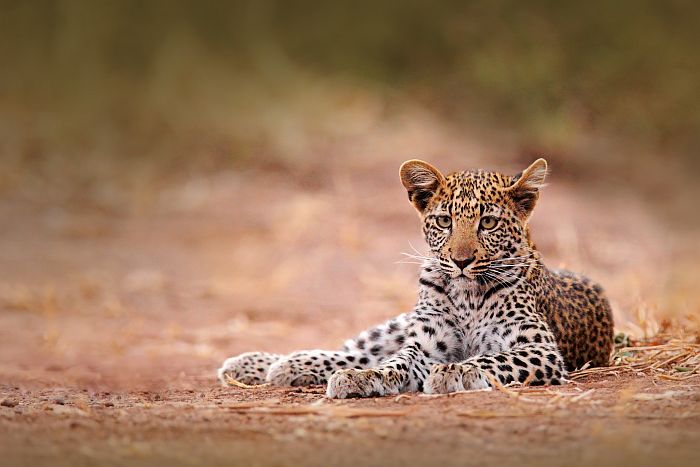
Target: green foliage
(143, 69)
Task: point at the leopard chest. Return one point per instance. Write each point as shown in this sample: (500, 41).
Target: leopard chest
(481, 323)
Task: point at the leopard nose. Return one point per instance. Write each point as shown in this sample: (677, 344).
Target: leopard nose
(463, 263)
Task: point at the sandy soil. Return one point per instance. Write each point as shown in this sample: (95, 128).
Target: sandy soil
(625, 421)
(116, 307)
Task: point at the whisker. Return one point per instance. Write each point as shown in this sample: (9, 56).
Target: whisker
(415, 249)
(415, 256)
(494, 278)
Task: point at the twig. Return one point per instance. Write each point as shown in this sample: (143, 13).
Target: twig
(233, 382)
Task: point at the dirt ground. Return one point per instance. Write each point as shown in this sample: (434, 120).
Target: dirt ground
(118, 304)
(625, 421)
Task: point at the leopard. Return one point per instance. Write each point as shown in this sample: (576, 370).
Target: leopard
(489, 313)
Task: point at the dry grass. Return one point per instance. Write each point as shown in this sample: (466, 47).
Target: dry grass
(671, 356)
(665, 356)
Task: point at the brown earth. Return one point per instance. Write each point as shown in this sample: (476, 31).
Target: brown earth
(119, 300)
(623, 421)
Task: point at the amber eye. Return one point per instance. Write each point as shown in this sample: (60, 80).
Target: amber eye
(444, 222)
(488, 222)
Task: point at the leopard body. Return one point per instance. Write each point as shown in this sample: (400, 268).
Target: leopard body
(488, 310)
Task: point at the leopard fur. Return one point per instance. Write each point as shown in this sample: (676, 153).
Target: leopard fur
(488, 310)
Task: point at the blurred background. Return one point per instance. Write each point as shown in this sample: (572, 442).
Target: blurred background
(184, 181)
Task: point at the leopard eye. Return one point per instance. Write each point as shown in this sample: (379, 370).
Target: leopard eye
(488, 222)
(444, 222)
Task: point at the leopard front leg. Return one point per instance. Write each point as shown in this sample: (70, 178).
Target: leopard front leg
(370, 347)
(310, 367)
(405, 371)
(537, 363)
(316, 366)
(429, 339)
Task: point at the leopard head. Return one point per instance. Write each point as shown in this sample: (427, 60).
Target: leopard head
(475, 222)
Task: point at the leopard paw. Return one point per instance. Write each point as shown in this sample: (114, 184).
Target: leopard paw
(345, 384)
(454, 377)
(445, 378)
(290, 371)
(247, 368)
(475, 379)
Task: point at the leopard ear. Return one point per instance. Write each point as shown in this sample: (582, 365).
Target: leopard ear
(421, 180)
(525, 189)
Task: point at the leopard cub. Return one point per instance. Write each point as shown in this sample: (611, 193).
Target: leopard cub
(488, 309)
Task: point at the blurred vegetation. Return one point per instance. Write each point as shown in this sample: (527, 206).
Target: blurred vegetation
(210, 81)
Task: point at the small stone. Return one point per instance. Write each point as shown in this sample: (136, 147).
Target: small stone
(8, 403)
(109, 404)
(59, 401)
